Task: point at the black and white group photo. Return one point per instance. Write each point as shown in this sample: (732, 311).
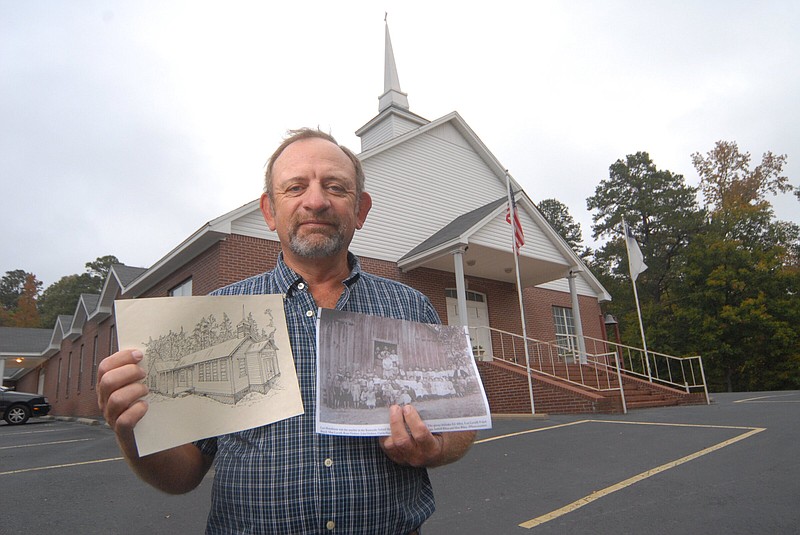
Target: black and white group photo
(367, 364)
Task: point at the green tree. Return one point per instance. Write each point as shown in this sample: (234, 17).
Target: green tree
(101, 267)
(62, 296)
(663, 212)
(557, 214)
(661, 209)
(739, 313)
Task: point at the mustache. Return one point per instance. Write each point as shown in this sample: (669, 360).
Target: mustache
(317, 219)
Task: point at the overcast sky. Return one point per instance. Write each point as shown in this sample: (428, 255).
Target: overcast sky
(125, 126)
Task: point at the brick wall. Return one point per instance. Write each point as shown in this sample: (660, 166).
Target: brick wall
(76, 394)
(507, 392)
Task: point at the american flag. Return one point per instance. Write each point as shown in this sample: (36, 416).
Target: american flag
(519, 237)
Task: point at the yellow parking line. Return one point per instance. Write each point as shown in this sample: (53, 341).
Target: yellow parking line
(490, 439)
(45, 443)
(670, 424)
(59, 466)
(644, 475)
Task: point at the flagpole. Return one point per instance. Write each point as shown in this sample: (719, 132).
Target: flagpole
(519, 289)
(638, 308)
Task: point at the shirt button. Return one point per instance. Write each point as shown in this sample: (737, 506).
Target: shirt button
(301, 286)
(309, 313)
(328, 462)
(330, 524)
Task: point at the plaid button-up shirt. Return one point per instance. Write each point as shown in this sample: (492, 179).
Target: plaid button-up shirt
(284, 477)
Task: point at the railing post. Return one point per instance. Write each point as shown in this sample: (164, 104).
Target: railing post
(621, 389)
(703, 375)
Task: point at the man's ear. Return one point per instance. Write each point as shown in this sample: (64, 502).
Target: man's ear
(364, 205)
(266, 211)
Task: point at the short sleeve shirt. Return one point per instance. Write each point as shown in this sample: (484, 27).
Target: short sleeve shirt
(286, 478)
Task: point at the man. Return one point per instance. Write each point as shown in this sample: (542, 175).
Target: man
(285, 478)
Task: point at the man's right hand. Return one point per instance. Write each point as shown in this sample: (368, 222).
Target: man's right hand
(119, 393)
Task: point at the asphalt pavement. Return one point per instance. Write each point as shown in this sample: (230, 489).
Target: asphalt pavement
(729, 467)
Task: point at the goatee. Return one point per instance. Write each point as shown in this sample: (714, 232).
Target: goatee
(317, 245)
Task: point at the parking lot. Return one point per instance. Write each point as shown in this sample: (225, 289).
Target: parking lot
(731, 467)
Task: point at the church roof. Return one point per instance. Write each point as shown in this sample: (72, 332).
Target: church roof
(23, 340)
(456, 228)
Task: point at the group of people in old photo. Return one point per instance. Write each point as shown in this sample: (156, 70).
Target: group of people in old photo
(390, 383)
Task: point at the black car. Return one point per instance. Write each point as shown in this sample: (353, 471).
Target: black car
(17, 407)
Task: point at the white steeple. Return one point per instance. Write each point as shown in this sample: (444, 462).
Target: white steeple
(392, 95)
(394, 118)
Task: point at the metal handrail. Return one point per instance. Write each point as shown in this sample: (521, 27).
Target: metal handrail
(595, 372)
(551, 358)
(684, 373)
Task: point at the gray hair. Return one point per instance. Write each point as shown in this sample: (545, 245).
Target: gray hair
(311, 133)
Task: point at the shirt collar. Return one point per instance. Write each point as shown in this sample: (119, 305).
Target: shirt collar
(287, 280)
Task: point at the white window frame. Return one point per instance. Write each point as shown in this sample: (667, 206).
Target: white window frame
(184, 289)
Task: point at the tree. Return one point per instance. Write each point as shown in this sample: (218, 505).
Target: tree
(728, 182)
(557, 214)
(26, 314)
(101, 267)
(11, 287)
(739, 309)
(739, 302)
(663, 212)
(18, 288)
(62, 296)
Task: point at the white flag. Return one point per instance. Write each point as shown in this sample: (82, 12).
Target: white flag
(635, 257)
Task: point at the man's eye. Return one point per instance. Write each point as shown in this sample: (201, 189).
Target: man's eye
(337, 189)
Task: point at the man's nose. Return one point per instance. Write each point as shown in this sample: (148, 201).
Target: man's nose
(315, 198)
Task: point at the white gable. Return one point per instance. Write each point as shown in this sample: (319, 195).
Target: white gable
(394, 125)
(447, 133)
(419, 186)
(498, 232)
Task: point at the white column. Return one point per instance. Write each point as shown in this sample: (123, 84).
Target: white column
(576, 316)
(2, 369)
(461, 287)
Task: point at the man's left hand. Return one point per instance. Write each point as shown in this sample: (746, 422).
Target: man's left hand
(411, 442)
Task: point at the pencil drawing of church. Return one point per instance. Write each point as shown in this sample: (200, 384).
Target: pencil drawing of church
(245, 361)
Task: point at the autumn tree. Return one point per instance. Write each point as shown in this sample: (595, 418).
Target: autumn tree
(12, 289)
(26, 314)
(729, 183)
(739, 302)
